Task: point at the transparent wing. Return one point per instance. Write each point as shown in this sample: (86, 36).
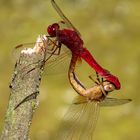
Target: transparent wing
(90, 120)
(61, 14)
(17, 49)
(114, 102)
(79, 122)
(57, 63)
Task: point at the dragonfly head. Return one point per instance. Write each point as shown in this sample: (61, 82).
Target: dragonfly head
(108, 87)
(52, 29)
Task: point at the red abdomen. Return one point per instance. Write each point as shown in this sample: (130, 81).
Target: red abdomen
(100, 70)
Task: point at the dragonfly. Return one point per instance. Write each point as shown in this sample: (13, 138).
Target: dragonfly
(71, 38)
(80, 119)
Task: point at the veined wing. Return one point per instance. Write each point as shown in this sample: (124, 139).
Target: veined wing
(61, 14)
(56, 63)
(81, 118)
(79, 122)
(114, 102)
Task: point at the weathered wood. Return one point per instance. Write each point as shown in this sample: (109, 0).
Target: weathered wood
(25, 82)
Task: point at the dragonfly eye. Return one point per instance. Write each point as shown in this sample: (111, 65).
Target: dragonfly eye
(52, 29)
(109, 87)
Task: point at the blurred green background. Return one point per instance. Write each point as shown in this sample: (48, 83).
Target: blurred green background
(110, 30)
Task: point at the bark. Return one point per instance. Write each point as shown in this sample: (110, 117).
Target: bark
(24, 87)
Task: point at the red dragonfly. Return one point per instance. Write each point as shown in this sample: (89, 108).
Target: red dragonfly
(71, 38)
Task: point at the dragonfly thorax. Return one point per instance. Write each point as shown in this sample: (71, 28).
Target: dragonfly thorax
(71, 39)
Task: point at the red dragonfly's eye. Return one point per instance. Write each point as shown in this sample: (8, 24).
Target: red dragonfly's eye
(52, 29)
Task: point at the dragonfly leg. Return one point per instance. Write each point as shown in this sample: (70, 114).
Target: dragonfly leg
(102, 80)
(96, 82)
(55, 45)
(99, 82)
(28, 98)
(57, 48)
(98, 78)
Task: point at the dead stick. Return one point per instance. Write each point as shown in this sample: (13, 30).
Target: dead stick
(24, 83)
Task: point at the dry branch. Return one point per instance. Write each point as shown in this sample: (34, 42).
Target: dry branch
(25, 82)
